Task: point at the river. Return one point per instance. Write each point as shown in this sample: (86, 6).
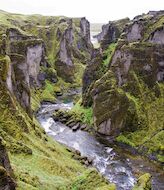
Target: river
(116, 165)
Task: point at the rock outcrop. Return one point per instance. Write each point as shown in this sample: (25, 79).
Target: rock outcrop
(26, 57)
(123, 98)
(143, 182)
(85, 29)
(111, 32)
(64, 63)
(25, 41)
(94, 70)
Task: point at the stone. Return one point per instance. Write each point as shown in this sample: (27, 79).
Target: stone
(143, 182)
(76, 127)
(157, 36)
(83, 127)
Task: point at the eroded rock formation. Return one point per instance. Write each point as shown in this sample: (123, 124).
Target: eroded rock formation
(111, 32)
(125, 97)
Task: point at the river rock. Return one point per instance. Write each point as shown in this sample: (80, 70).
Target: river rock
(83, 127)
(76, 127)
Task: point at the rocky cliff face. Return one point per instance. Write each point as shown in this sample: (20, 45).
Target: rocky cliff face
(64, 63)
(85, 29)
(111, 32)
(123, 98)
(93, 71)
(28, 52)
(26, 57)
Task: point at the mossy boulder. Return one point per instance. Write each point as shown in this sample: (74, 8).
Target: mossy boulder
(143, 182)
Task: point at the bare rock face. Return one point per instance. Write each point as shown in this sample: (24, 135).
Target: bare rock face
(135, 32)
(74, 45)
(85, 29)
(121, 70)
(27, 55)
(34, 57)
(6, 181)
(157, 36)
(64, 62)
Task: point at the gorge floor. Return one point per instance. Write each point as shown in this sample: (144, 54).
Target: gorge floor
(115, 165)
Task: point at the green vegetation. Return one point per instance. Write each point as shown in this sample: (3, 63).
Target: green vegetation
(143, 182)
(109, 53)
(144, 122)
(39, 163)
(85, 115)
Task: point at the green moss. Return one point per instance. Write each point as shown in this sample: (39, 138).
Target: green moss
(123, 139)
(90, 180)
(143, 182)
(109, 53)
(85, 115)
(4, 66)
(48, 165)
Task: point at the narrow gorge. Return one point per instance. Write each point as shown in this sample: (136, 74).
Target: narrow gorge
(81, 108)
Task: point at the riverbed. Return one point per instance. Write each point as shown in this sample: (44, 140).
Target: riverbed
(116, 165)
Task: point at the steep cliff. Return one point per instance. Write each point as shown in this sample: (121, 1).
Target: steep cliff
(27, 75)
(128, 99)
(111, 32)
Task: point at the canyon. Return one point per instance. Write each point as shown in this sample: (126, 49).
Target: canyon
(77, 116)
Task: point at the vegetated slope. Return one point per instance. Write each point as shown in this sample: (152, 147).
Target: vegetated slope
(37, 161)
(128, 100)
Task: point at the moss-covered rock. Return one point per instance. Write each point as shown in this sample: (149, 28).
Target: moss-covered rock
(131, 93)
(143, 182)
(111, 32)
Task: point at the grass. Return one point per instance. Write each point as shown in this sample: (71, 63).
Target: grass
(84, 114)
(109, 53)
(39, 163)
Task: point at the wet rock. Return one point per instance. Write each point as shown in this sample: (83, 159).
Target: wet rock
(76, 127)
(41, 77)
(83, 127)
(78, 152)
